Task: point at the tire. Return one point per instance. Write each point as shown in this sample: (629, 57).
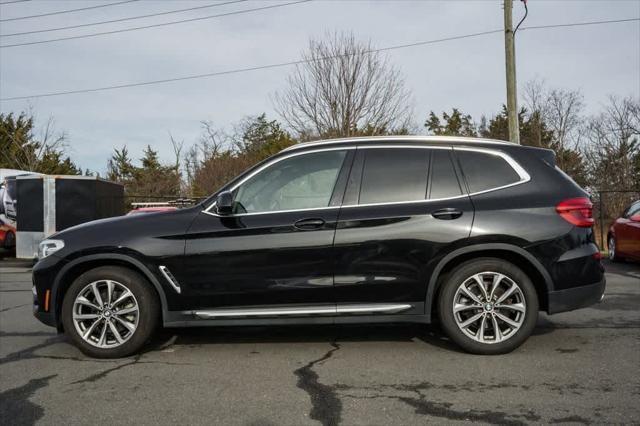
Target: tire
(519, 307)
(134, 327)
(9, 240)
(613, 250)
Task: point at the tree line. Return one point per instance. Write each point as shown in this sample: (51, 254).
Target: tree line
(341, 89)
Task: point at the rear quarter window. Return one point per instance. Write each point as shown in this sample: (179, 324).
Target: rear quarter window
(484, 171)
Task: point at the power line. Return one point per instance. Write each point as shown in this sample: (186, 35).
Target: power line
(303, 61)
(579, 24)
(122, 19)
(13, 1)
(67, 11)
(238, 12)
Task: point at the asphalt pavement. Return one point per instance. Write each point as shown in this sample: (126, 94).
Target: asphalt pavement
(578, 367)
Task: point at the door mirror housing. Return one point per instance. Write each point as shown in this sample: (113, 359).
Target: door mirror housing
(224, 203)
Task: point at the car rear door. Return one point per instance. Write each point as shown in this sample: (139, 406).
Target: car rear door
(403, 206)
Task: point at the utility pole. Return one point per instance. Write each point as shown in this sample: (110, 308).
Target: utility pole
(510, 58)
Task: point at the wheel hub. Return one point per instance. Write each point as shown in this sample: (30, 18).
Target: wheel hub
(105, 314)
(489, 307)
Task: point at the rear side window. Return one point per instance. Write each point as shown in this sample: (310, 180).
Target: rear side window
(444, 182)
(485, 171)
(394, 174)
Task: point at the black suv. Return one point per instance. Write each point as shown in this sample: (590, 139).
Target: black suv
(479, 235)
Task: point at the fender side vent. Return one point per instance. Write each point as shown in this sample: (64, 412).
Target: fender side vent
(170, 278)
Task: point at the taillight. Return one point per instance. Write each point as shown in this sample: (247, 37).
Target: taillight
(576, 211)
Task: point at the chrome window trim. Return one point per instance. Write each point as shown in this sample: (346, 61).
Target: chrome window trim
(401, 138)
(269, 164)
(271, 212)
(520, 171)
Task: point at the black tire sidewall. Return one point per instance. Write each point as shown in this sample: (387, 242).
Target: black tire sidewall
(615, 257)
(149, 311)
(463, 272)
(9, 240)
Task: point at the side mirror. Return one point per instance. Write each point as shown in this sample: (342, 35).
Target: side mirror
(635, 218)
(224, 203)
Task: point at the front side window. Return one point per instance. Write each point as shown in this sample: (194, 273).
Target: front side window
(394, 174)
(485, 171)
(300, 182)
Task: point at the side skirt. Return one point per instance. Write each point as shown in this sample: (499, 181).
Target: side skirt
(298, 315)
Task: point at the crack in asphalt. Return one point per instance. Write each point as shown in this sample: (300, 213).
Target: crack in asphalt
(102, 374)
(28, 353)
(26, 333)
(136, 360)
(13, 307)
(443, 410)
(326, 407)
(571, 419)
(15, 407)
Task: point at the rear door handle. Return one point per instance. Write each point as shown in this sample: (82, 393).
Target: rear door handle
(447, 214)
(309, 224)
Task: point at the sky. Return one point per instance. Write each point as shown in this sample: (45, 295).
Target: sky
(599, 60)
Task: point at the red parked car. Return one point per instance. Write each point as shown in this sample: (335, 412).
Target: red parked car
(154, 209)
(7, 236)
(624, 235)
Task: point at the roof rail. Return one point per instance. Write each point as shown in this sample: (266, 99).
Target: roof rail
(399, 138)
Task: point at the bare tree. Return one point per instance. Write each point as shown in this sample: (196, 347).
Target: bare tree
(177, 153)
(561, 110)
(613, 153)
(344, 88)
(557, 121)
(615, 144)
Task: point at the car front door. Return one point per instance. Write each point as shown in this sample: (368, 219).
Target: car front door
(275, 248)
(402, 206)
(628, 232)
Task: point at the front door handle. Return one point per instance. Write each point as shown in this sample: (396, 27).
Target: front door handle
(447, 214)
(309, 224)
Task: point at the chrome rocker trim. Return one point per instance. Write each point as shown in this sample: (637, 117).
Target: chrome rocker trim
(388, 308)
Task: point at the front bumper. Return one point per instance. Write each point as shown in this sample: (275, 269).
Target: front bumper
(45, 317)
(43, 276)
(576, 297)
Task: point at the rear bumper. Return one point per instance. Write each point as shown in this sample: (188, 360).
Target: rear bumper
(576, 297)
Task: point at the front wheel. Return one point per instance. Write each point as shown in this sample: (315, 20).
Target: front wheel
(110, 312)
(488, 306)
(613, 250)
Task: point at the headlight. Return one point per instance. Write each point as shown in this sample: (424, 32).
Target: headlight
(47, 247)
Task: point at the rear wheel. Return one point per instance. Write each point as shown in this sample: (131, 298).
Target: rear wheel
(488, 306)
(110, 312)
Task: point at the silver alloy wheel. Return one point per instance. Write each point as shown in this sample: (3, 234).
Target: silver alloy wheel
(105, 314)
(489, 307)
(612, 248)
